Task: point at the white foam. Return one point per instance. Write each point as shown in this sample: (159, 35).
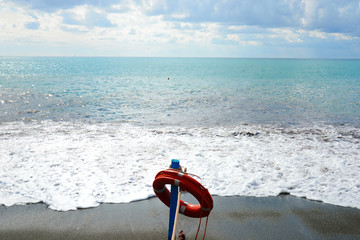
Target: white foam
(77, 165)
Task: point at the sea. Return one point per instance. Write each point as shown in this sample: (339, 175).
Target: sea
(76, 132)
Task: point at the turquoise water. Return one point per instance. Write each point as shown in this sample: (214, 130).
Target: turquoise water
(200, 91)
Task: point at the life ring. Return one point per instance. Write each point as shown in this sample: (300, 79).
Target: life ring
(186, 183)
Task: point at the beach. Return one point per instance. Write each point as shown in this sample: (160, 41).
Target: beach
(236, 217)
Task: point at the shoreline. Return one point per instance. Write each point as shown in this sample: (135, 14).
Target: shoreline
(235, 217)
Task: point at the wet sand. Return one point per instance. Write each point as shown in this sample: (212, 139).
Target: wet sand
(282, 217)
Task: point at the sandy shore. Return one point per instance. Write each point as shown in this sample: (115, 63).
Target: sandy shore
(284, 217)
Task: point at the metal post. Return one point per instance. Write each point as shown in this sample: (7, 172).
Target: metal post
(173, 199)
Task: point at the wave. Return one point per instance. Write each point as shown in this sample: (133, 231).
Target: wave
(70, 165)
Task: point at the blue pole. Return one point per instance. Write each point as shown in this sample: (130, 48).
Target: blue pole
(173, 200)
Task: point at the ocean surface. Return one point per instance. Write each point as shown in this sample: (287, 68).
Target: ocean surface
(77, 131)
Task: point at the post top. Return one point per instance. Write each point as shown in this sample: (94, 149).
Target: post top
(175, 163)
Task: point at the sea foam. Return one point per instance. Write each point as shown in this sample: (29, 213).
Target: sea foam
(71, 165)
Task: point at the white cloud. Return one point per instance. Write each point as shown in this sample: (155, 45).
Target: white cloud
(288, 34)
(340, 36)
(194, 26)
(179, 15)
(335, 16)
(238, 28)
(317, 34)
(87, 16)
(239, 39)
(55, 5)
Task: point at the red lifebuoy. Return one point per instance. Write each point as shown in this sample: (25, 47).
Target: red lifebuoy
(186, 183)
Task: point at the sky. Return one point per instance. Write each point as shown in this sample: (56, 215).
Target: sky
(181, 28)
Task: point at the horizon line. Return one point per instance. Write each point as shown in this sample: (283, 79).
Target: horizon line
(94, 56)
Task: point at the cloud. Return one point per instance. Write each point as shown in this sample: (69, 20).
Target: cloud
(32, 25)
(208, 27)
(336, 16)
(86, 16)
(245, 12)
(54, 5)
(328, 16)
